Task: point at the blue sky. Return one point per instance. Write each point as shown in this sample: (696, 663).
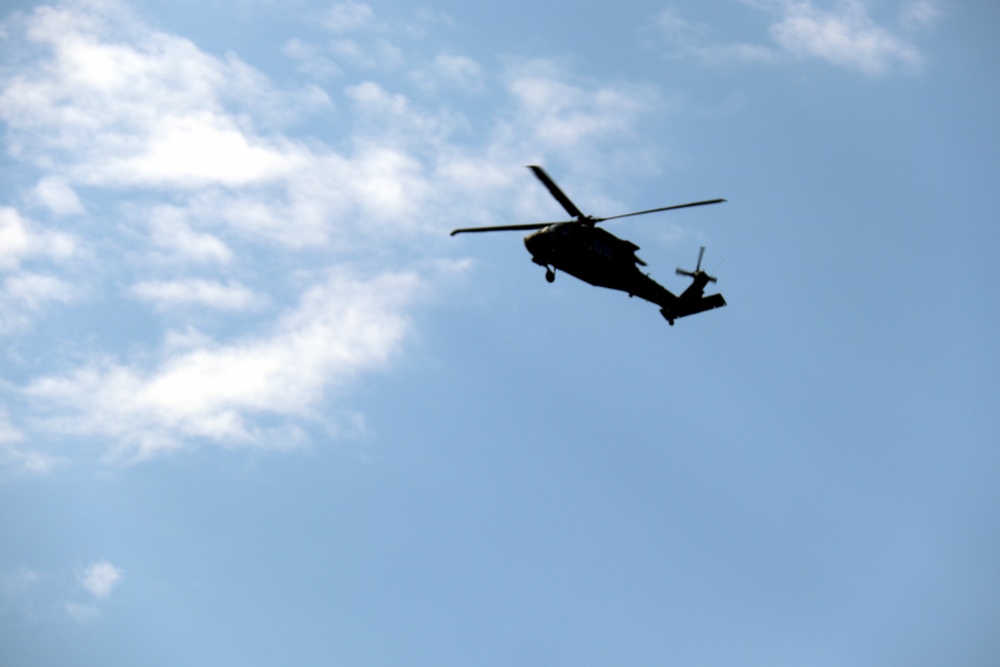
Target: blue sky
(257, 407)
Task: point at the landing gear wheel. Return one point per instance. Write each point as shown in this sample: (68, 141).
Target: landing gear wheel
(550, 275)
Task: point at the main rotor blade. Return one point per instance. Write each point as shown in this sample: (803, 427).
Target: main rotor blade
(555, 191)
(665, 208)
(502, 228)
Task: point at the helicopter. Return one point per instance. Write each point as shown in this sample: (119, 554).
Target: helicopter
(596, 256)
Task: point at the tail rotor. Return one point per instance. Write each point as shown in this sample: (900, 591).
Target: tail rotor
(697, 273)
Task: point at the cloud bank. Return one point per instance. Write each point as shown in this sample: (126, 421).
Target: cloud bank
(237, 272)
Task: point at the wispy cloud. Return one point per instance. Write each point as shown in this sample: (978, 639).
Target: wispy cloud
(450, 71)
(21, 461)
(213, 391)
(349, 16)
(193, 292)
(355, 38)
(38, 594)
(26, 294)
(21, 241)
(553, 114)
(100, 579)
(845, 35)
(919, 14)
(28, 256)
(17, 457)
(842, 33)
(688, 40)
(57, 196)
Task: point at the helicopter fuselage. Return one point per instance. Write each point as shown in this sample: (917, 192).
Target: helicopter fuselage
(595, 256)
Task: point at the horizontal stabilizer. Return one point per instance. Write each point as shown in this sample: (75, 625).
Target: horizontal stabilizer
(685, 307)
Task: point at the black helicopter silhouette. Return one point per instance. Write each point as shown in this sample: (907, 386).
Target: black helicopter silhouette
(582, 249)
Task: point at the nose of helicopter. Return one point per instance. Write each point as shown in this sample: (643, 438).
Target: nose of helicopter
(542, 245)
(539, 244)
(532, 243)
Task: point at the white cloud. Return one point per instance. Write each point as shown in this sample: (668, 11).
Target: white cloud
(8, 432)
(167, 294)
(100, 579)
(16, 242)
(341, 326)
(199, 149)
(57, 196)
(171, 232)
(117, 104)
(376, 197)
(16, 458)
(356, 38)
(348, 16)
(461, 69)
(19, 241)
(563, 116)
(34, 289)
(25, 294)
(37, 594)
(845, 35)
